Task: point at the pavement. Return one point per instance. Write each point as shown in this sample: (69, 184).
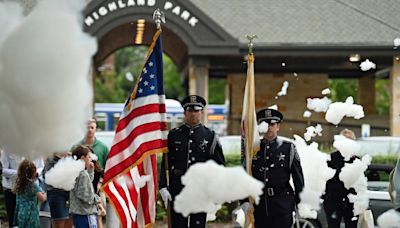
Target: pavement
(209, 225)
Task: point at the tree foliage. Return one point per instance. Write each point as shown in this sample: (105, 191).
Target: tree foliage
(343, 88)
(113, 86)
(382, 96)
(216, 91)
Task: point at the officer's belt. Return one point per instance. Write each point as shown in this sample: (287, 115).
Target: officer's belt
(277, 190)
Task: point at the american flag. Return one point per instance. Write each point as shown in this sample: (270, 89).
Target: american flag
(130, 177)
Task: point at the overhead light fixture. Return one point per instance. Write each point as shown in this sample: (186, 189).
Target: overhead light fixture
(354, 58)
(140, 25)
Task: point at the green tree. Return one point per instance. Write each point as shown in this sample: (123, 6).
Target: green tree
(343, 88)
(172, 81)
(382, 96)
(114, 87)
(216, 91)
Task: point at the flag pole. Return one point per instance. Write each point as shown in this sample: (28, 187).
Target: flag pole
(159, 17)
(250, 148)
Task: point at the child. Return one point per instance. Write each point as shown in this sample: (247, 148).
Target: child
(83, 200)
(57, 198)
(28, 193)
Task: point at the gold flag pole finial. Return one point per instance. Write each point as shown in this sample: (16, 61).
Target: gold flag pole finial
(251, 45)
(158, 17)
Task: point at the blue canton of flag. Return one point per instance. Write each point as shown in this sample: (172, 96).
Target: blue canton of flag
(150, 82)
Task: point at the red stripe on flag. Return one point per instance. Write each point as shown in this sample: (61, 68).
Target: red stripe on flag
(133, 193)
(139, 130)
(117, 205)
(143, 148)
(144, 196)
(143, 110)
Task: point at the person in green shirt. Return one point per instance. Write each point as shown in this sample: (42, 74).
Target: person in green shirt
(99, 148)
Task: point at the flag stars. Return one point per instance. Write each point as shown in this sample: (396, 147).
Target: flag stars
(140, 90)
(144, 70)
(151, 76)
(151, 64)
(145, 83)
(152, 87)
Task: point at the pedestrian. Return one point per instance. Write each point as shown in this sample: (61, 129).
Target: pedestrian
(57, 198)
(101, 151)
(9, 164)
(336, 203)
(188, 144)
(28, 193)
(44, 207)
(84, 202)
(274, 164)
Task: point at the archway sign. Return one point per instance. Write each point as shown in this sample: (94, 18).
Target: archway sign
(199, 33)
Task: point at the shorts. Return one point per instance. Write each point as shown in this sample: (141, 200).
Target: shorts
(84, 221)
(58, 204)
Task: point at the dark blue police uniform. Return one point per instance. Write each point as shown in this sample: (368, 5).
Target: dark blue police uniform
(274, 164)
(188, 145)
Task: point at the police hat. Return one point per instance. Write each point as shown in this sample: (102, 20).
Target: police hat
(269, 115)
(193, 102)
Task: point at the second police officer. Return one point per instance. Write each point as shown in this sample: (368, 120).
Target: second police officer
(188, 144)
(274, 164)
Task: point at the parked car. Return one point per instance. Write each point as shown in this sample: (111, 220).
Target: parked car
(231, 144)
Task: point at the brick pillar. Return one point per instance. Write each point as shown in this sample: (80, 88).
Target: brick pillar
(395, 98)
(236, 84)
(366, 93)
(292, 105)
(198, 79)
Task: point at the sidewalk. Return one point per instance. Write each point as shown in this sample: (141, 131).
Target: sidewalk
(209, 225)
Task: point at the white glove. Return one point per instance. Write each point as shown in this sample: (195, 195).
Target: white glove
(165, 195)
(240, 217)
(245, 207)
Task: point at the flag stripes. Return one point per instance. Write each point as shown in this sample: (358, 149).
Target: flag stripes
(130, 178)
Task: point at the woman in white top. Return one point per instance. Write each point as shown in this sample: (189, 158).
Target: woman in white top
(10, 164)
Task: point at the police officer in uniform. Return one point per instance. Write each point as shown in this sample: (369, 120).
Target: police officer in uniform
(276, 161)
(188, 144)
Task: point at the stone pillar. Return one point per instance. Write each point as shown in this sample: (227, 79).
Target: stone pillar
(366, 93)
(198, 79)
(395, 97)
